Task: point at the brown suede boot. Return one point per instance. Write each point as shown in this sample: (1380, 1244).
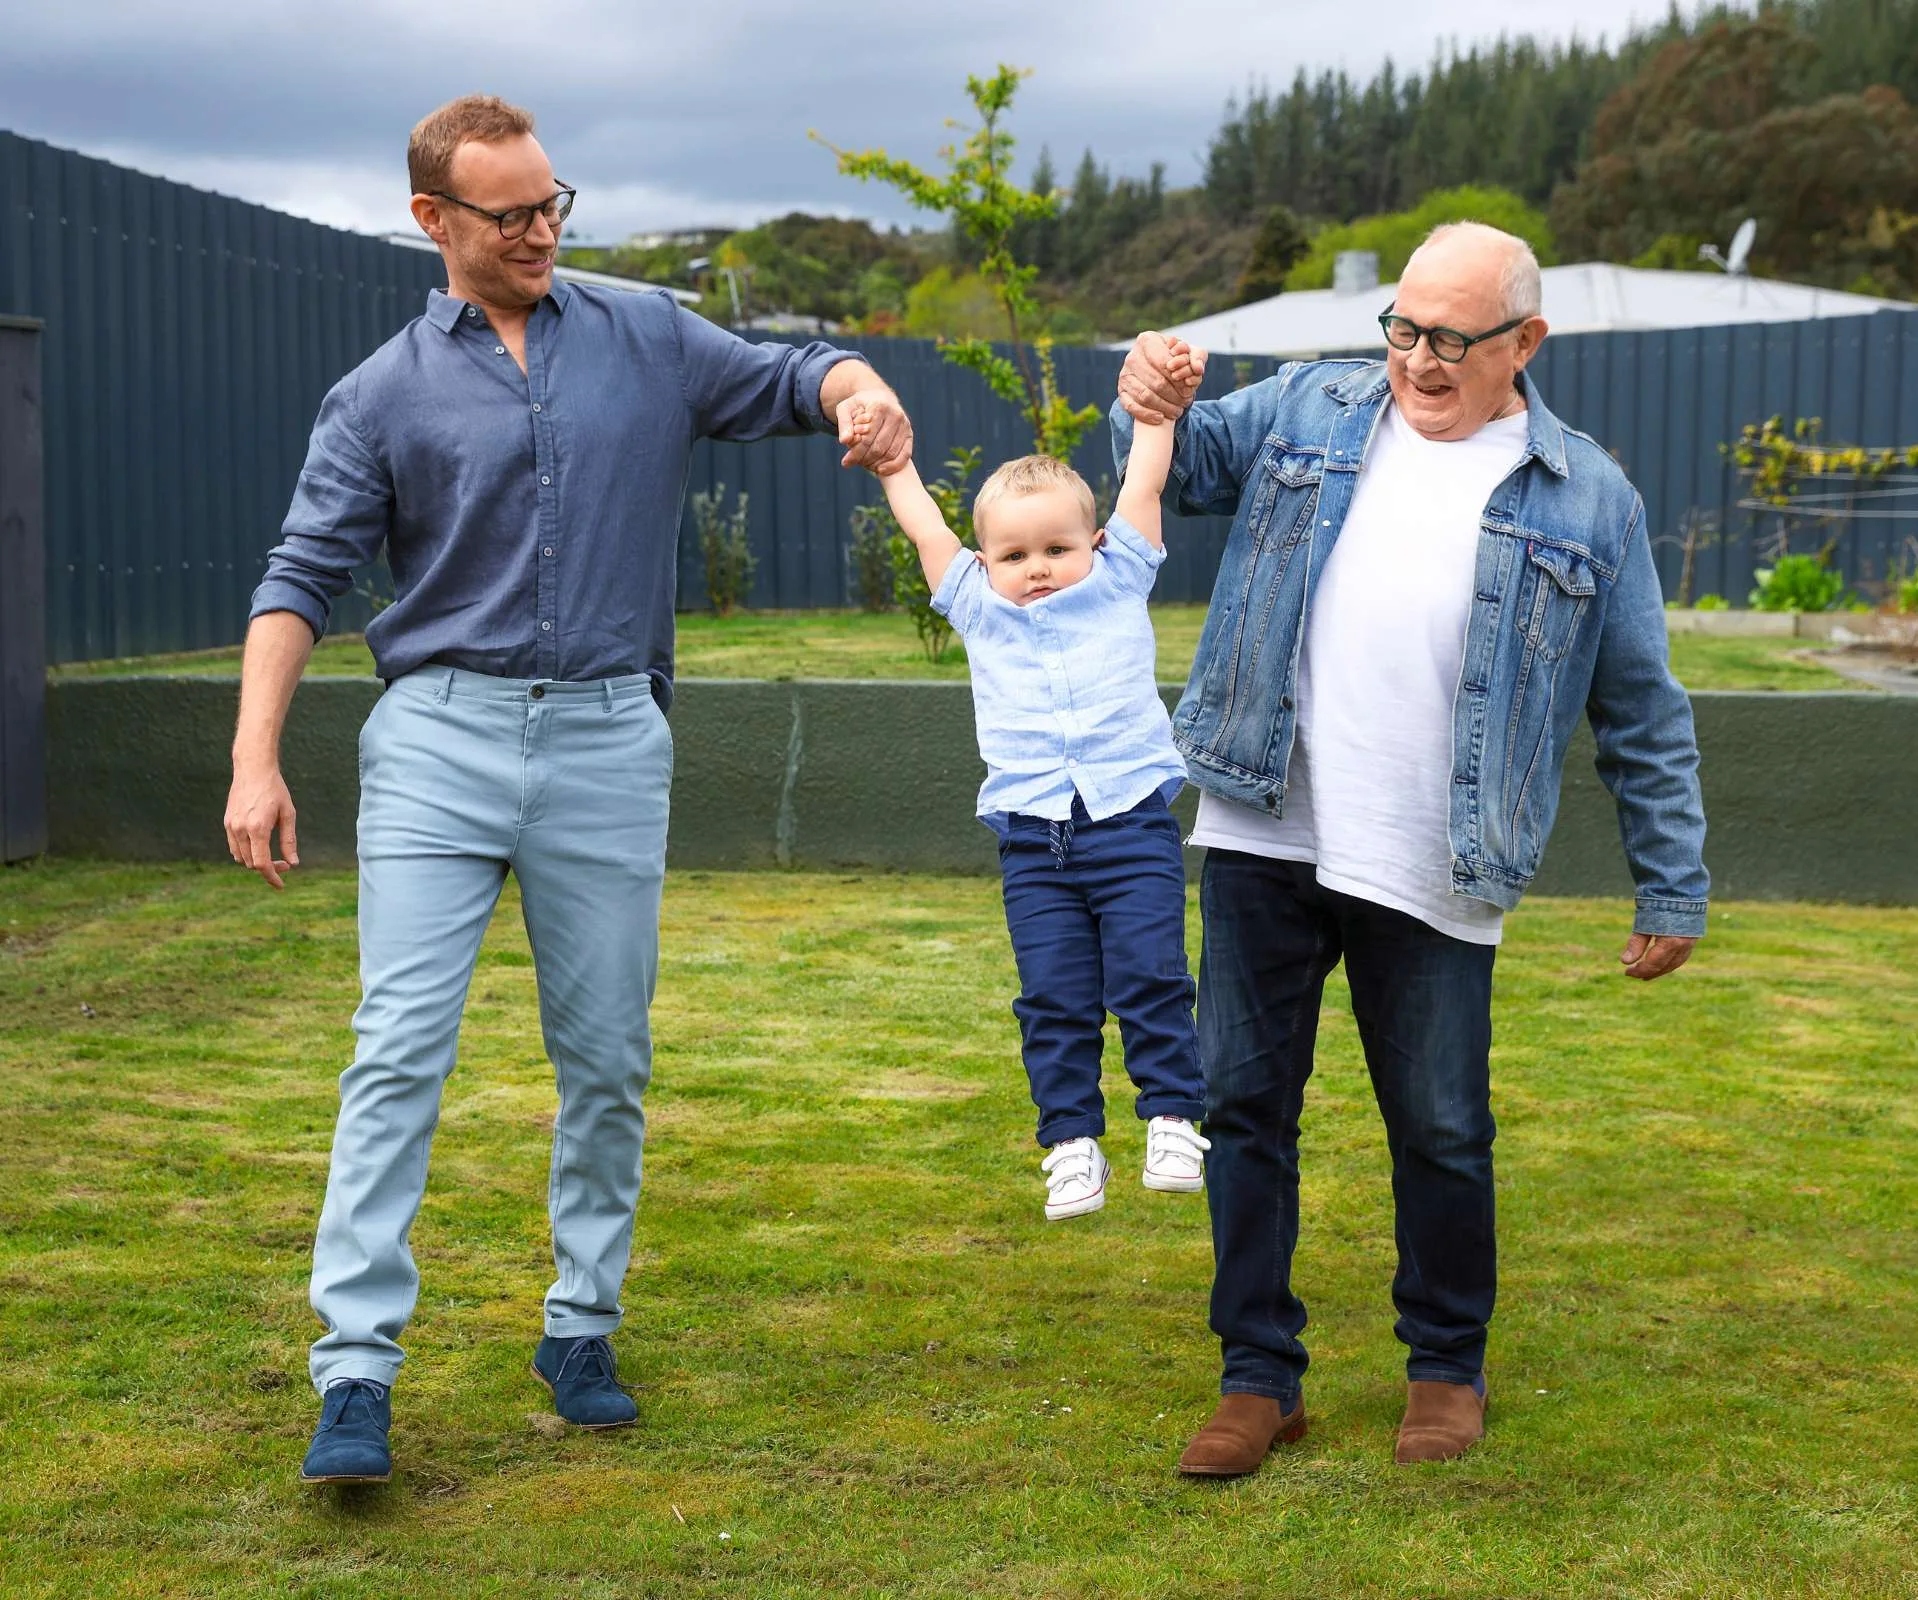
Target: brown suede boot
(1240, 1433)
(1442, 1420)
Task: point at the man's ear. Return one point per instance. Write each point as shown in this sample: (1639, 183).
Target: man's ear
(432, 221)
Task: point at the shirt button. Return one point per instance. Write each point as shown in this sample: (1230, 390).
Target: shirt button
(547, 551)
(545, 480)
(546, 627)
(472, 311)
(536, 405)
(1072, 761)
(1326, 523)
(1285, 702)
(499, 349)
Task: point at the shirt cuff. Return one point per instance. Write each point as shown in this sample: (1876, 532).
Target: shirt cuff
(1670, 919)
(818, 360)
(279, 594)
(1122, 535)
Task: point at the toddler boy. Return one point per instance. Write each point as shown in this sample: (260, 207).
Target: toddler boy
(1080, 768)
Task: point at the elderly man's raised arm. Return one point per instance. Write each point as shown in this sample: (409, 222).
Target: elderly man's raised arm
(1648, 755)
(1215, 442)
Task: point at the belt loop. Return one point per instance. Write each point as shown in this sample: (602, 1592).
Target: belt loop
(606, 692)
(446, 688)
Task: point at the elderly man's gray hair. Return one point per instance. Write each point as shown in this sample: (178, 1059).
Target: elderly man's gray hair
(1519, 291)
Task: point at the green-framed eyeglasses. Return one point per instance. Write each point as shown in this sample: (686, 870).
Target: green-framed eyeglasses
(1448, 344)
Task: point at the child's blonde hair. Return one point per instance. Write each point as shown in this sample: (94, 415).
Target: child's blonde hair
(1033, 475)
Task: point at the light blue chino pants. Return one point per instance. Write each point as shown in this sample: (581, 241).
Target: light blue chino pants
(463, 777)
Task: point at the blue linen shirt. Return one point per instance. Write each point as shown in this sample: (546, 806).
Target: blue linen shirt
(531, 519)
(1064, 690)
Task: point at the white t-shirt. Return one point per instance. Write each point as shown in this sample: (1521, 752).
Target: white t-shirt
(1368, 787)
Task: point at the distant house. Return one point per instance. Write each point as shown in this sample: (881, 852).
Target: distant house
(1593, 297)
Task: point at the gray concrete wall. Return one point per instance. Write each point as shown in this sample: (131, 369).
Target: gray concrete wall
(1809, 796)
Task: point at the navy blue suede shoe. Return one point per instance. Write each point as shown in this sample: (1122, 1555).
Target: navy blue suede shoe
(349, 1446)
(584, 1381)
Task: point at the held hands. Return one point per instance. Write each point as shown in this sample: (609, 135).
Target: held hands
(257, 804)
(876, 431)
(1160, 377)
(1647, 956)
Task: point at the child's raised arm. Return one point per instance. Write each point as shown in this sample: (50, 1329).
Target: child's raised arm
(1151, 458)
(918, 514)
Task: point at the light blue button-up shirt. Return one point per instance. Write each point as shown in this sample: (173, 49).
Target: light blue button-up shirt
(1064, 689)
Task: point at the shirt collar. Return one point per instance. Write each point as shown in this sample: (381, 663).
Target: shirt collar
(444, 311)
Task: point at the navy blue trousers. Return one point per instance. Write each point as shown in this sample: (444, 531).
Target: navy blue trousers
(1096, 911)
(1423, 1003)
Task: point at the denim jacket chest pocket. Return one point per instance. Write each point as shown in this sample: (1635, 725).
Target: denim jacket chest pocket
(1556, 587)
(1286, 494)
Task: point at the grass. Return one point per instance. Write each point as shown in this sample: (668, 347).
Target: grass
(854, 644)
(862, 1355)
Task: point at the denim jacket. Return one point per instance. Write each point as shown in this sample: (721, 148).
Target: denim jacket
(1567, 615)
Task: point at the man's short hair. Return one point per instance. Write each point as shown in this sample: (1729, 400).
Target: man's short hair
(1520, 292)
(1033, 475)
(481, 118)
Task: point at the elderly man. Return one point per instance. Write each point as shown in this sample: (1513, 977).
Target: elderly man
(1428, 576)
(520, 451)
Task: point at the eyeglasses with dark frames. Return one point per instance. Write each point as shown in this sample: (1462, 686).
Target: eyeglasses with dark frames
(1448, 344)
(514, 223)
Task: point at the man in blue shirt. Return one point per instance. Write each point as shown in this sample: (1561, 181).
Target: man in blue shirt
(520, 452)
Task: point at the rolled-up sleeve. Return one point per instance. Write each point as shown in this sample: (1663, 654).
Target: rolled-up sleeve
(341, 513)
(740, 390)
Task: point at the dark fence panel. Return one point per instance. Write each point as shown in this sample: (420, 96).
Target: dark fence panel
(188, 342)
(23, 656)
(189, 339)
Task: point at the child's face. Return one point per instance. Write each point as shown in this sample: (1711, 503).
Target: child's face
(1036, 544)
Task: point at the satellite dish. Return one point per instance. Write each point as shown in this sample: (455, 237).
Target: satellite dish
(1738, 261)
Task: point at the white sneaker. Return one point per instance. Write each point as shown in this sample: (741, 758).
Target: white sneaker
(1076, 1173)
(1174, 1156)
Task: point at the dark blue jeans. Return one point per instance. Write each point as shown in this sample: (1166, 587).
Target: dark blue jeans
(1097, 916)
(1423, 1003)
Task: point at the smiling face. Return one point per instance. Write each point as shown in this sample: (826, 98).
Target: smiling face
(482, 266)
(1036, 543)
(1456, 281)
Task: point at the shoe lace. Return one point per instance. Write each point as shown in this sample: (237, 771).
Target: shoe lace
(363, 1391)
(1176, 1138)
(591, 1357)
(1071, 1162)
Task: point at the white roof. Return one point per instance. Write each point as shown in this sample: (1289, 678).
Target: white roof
(606, 280)
(1594, 297)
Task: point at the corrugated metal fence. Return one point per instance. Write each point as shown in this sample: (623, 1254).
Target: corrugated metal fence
(189, 339)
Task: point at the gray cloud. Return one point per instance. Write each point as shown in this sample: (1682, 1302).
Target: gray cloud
(666, 116)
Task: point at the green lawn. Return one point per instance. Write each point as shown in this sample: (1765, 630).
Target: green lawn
(854, 644)
(864, 1359)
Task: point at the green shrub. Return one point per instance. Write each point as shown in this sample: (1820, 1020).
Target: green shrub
(871, 557)
(1711, 602)
(1907, 595)
(1798, 583)
(725, 549)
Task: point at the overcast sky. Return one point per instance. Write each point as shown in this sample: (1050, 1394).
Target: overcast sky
(676, 115)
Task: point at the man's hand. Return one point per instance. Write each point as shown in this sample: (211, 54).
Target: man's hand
(1151, 387)
(1649, 956)
(257, 804)
(876, 431)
